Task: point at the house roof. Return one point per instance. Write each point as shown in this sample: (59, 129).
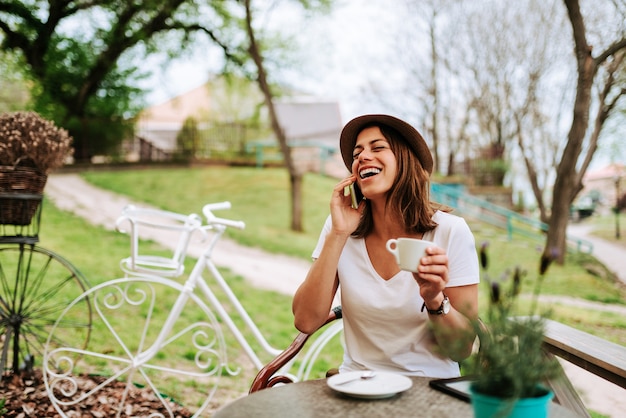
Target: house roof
(608, 172)
(173, 112)
(310, 120)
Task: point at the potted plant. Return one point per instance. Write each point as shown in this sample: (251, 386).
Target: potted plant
(30, 148)
(510, 368)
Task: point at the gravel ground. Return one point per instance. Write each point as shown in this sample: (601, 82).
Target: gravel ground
(71, 193)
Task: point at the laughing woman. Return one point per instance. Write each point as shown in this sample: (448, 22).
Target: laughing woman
(394, 320)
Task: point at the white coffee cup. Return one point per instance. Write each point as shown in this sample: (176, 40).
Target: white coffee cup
(408, 251)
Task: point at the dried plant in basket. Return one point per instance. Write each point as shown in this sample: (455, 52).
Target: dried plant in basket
(28, 140)
(30, 147)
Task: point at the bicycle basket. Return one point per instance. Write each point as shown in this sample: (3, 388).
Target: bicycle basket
(20, 217)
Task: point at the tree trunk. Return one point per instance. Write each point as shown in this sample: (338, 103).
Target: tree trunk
(570, 170)
(556, 242)
(435, 94)
(295, 176)
(296, 201)
(564, 187)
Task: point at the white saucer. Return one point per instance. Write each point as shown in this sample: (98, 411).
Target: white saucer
(382, 385)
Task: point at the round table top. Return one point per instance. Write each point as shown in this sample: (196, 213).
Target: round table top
(314, 398)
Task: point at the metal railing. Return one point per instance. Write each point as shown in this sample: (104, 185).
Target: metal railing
(512, 222)
(269, 151)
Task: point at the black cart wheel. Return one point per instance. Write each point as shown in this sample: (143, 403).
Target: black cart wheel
(36, 285)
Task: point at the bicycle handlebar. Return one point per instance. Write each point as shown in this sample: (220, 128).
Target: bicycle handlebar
(208, 209)
(216, 206)
(157, 218)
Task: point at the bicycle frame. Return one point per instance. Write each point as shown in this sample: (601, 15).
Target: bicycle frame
(141, 265)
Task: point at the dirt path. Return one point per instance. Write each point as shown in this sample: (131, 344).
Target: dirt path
(100, 207)
(284, 274)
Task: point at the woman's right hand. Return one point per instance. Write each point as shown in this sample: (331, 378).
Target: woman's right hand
(345, 219)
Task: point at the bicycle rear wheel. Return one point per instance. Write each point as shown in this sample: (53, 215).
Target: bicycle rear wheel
(36, 285)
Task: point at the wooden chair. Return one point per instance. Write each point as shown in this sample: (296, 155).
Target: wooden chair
(271, 374)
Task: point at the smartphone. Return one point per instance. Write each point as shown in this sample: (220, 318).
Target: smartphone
(355, 195)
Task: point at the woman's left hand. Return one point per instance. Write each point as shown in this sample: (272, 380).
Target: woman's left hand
(432, 276)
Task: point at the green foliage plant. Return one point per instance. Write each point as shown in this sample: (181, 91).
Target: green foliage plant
(187, 140)
(490, 172)
(14, 92)
(510, 362)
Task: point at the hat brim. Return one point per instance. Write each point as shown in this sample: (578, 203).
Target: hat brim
(413, 138)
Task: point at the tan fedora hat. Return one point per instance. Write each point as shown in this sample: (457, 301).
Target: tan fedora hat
(410, 134)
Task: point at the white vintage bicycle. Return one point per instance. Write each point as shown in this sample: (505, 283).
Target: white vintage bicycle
(154, 332)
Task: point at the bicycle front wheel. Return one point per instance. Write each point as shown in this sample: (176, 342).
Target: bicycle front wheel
(35, 287)
(182, 365)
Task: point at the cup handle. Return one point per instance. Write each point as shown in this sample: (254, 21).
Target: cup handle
(393, 250)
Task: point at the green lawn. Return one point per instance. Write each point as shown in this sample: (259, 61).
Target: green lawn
(260, 197)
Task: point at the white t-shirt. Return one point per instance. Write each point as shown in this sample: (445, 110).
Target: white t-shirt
(383, 326)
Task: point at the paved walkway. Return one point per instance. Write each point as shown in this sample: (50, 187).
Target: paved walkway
(612, 256)
(69, 192)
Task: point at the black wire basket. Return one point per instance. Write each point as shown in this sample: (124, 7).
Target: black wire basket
(20, 217)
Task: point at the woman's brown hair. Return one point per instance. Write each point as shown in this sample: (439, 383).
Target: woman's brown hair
(409, 197)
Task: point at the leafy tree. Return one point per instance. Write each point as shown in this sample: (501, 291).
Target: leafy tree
(80, 55)
(103, 120)
(13, 86)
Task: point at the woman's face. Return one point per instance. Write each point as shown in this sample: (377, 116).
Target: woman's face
(374, 163)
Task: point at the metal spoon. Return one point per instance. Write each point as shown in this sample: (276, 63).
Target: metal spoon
(367, 374)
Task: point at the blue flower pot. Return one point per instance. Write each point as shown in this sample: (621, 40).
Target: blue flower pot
(486, 406)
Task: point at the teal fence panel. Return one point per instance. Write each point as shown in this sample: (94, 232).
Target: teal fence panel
(512, 222)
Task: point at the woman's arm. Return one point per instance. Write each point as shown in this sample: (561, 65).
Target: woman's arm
(314, 297)
(453, 331)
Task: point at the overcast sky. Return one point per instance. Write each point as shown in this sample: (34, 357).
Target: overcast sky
(336, 61)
